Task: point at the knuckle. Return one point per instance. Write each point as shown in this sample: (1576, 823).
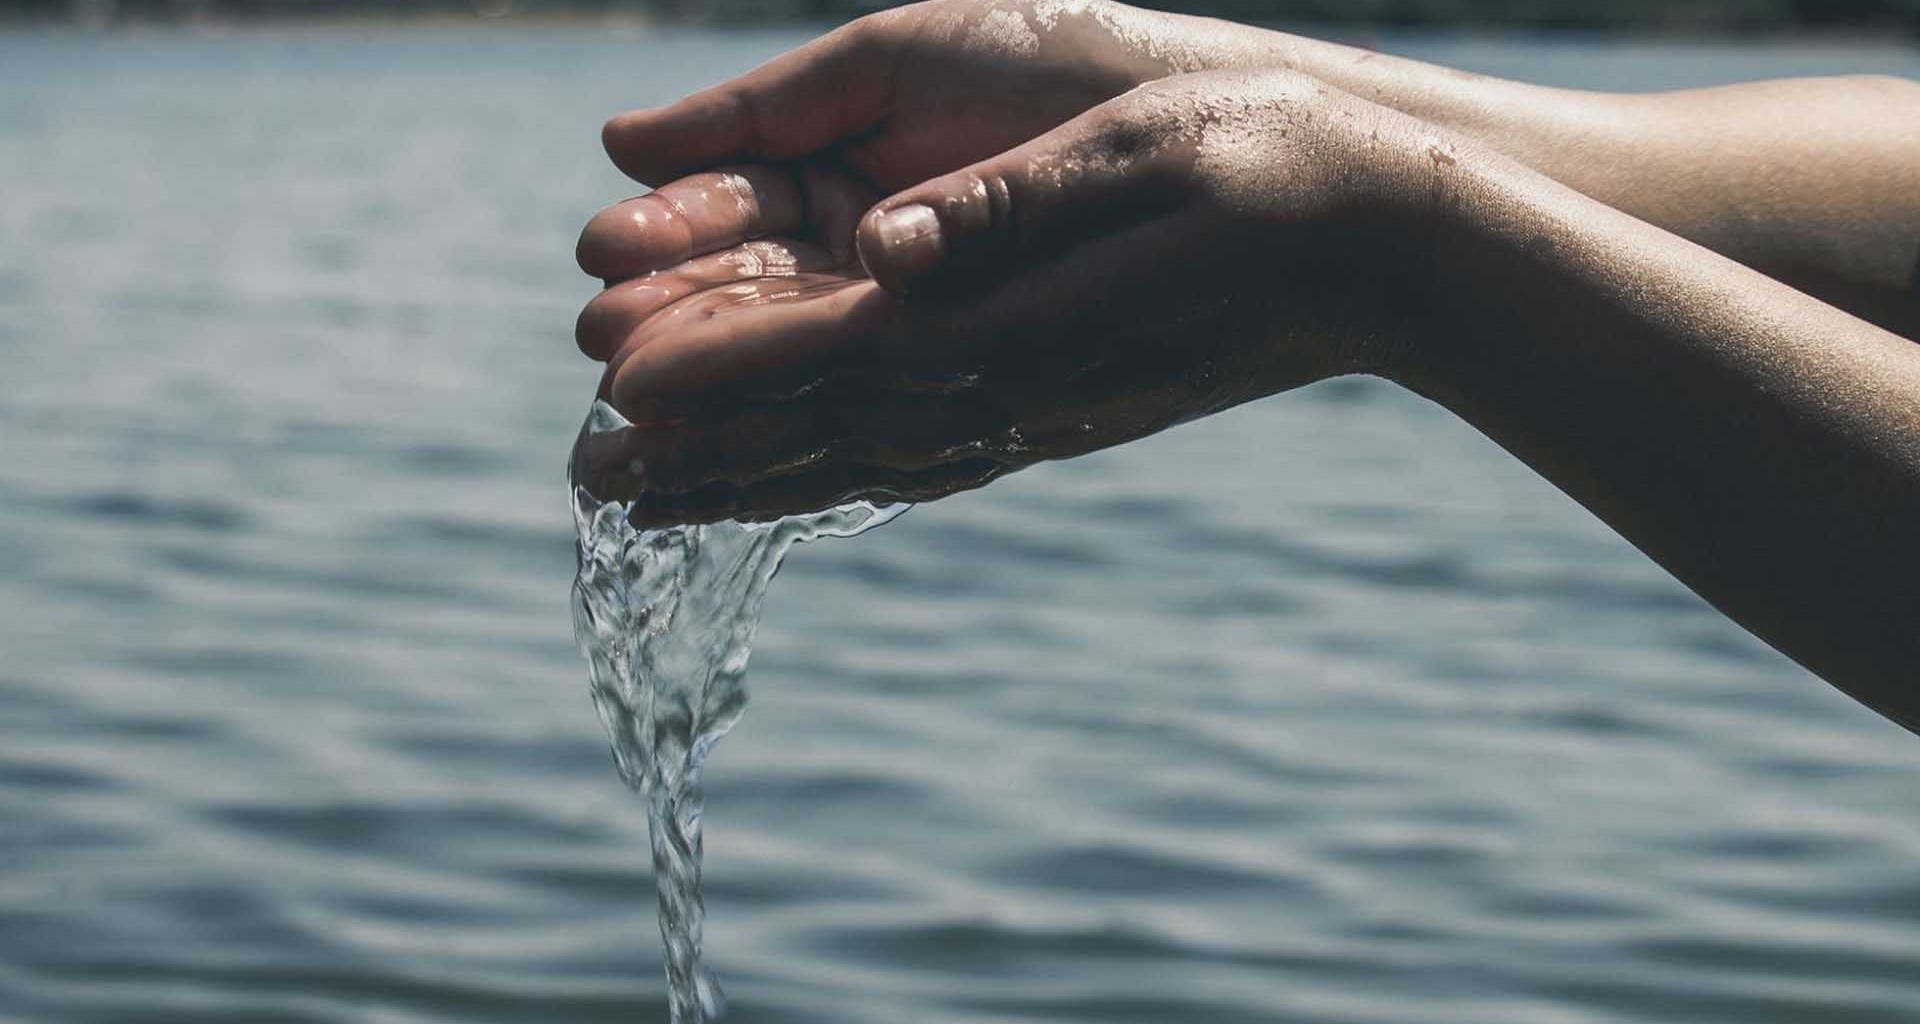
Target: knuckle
(985, 201)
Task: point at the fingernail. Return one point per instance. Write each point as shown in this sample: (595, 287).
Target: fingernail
(910, 237)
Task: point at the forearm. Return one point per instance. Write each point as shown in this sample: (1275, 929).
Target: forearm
(1762, 446)
(1815, 182)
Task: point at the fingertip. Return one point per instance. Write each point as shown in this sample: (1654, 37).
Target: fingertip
(602, 252)
(589, 250)
(642, 406)
(630, 389)
(610, 132)
(613, 136)
(654, 145)
(587, 329)
(635, 237)
(632, 143)
(901, 244)
(745, 351)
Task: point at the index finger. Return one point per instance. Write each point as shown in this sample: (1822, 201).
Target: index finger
(803, 101)
(704, 213)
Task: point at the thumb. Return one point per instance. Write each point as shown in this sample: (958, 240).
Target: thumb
(1091, 176)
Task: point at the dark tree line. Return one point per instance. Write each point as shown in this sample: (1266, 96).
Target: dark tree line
(1657, 15)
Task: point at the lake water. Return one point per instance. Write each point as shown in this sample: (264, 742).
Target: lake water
(1321, 711)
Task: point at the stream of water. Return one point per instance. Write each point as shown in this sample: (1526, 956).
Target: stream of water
(666, 619)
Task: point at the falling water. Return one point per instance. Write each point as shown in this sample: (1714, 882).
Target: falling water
(666, 619)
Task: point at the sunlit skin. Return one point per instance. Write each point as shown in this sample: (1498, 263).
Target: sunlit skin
(955, 239)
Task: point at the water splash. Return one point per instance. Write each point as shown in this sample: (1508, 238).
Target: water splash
(666, 619)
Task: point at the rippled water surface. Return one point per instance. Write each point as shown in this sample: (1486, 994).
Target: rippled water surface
(1323, 710)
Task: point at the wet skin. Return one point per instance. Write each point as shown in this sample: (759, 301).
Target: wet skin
(1150, 288)
(893, 295)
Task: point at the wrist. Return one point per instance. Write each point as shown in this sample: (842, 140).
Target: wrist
(1502, 245)
(1426, 210)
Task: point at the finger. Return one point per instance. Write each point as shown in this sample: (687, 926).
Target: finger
(804, 101)
(1053, 321)
(677, 457)
(705, 353)
(798, 335)
(1106, 169)
(730, 339)
(690, 217)
(762, 440)
(617, 312)
(813, 490)
(836, 200)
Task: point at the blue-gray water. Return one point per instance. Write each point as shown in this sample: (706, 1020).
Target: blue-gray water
(1323, 710)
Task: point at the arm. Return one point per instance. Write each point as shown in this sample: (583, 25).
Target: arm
(1211, 238)
(1815, 182)
(1762, 446)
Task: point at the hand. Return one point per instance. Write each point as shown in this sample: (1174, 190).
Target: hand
(879, 104)
(1198, 242)
(905, 94)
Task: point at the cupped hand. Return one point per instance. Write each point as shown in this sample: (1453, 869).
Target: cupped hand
(1197, 242)
(899, 96)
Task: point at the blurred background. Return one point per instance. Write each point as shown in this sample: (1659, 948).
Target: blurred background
(1321, 710)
